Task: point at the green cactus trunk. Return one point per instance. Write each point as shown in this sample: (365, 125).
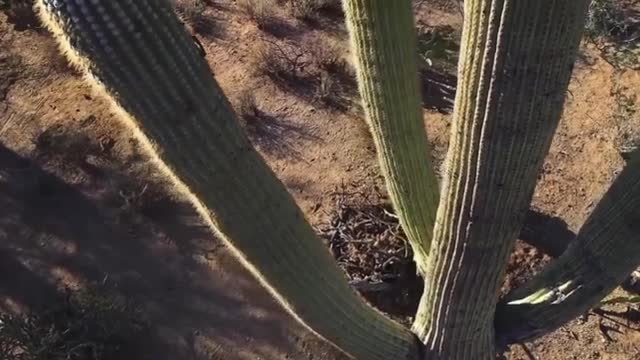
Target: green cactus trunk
(516, 62)
(384, 40)
(603, 254)
(146, 62)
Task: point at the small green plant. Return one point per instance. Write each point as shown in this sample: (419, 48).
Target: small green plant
(85, 325)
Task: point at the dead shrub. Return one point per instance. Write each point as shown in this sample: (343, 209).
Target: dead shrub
(614, 27)
(318, 72)
(303, 9)
(246, 107)
(610, 20)
(336, 83)
(328, 57)
(284, 63)
(308, 10)
(327, 89)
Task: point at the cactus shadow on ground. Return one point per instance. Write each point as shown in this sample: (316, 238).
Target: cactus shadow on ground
(275, 135)
(91, 324)
(55, 234)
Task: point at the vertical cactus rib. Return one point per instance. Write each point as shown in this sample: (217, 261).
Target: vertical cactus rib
(605, 251)
(515, 67)
(384, 41)
(138, 53)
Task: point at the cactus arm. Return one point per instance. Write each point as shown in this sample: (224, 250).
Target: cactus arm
(516, 62)
(605, 252)
(140, 56)
(384, 41)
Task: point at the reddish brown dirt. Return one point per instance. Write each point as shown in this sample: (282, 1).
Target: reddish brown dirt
(80, 204)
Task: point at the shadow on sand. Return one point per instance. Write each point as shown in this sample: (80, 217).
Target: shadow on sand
(202, 303)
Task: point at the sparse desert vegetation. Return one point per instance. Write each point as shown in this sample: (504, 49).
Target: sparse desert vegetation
(89, 324)
(614, 26)
(309, 10)
(260, 11)
(82, 202)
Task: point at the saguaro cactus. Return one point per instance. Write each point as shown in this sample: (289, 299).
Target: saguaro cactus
(516, 61)
(604, 252)
(139, 54)
(383, 36)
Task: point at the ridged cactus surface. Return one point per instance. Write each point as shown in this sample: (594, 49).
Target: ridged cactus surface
(140, 55)
(515, 65)
(516, 62)
(383, 38)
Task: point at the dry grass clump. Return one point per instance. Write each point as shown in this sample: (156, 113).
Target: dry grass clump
(310, 10)
(336, 81)
(85, 325)
(260, 11)
(194, 13)
(316, 72)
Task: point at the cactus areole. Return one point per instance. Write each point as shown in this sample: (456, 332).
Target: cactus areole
(516, 60)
